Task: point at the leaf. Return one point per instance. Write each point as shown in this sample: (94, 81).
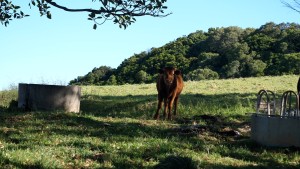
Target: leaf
(6, 23)
(49, 15)
(124, 25)
(95, 26)
(102, 9)
(150, 7)
(92, 15)
(105, 2)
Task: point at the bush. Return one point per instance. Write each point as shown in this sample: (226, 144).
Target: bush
(202, 74)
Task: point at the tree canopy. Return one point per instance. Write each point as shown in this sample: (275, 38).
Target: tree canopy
(226, 52)
(121, 12)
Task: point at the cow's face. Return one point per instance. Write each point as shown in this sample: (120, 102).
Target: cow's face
(168, 74)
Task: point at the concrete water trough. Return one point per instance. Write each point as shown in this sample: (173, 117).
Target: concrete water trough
(276, 128)
(49, 97)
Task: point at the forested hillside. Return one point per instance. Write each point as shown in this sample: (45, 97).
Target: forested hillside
(230, 52)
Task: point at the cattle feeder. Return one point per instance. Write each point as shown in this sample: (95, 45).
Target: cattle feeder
(276, 128)
(49, 97)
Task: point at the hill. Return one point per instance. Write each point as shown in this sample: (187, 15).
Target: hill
(230, 52)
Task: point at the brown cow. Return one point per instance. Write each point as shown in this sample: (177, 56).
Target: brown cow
(169, 86)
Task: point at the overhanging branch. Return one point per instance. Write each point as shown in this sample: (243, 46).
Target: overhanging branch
(295, 7)
(75, 10)
(123, 11)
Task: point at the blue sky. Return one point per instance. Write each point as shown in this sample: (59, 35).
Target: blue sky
(38, 50)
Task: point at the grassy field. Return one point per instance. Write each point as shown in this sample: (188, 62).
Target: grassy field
(115, 129)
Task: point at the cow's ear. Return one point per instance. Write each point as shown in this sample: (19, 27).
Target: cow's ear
(161, 71)
(177, 72)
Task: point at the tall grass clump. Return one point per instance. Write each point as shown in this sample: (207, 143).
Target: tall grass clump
(8, 97)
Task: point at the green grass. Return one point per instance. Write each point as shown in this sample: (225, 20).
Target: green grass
(115, 129)
(8, 98)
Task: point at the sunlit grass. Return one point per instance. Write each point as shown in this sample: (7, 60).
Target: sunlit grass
(115, 129)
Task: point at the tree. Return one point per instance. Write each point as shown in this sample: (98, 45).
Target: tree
(232, 69)
(112, 80)
(121, 12)
(273, 49)
(141, 76)
(255, 68)
(98, 76)
(102, 73)
(210, 60)
(202, 74)
(291, 63)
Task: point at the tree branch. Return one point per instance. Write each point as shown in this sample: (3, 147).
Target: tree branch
(123, 11)
(292, 6)
(75, 10)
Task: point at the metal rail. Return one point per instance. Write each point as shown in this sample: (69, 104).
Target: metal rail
(286, 104)
(260, 94)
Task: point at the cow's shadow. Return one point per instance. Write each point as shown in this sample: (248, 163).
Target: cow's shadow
(119, 106)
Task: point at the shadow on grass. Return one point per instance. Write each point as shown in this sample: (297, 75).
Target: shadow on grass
(260, 166)
(145, 106)
(80, 126)
(119, 106)
(77, 126)
(176, 162)
(263, 156)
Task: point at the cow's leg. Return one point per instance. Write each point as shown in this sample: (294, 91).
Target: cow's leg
(175, 105)
(171, 102)
(169, 110)
(165, 107)
(159, 104)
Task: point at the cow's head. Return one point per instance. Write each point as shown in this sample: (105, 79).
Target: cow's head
(168, 74)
